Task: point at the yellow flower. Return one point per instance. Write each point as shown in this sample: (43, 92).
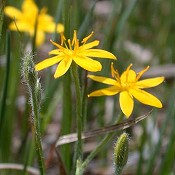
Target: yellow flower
(72, 51)
(129, 86)
(25, 20)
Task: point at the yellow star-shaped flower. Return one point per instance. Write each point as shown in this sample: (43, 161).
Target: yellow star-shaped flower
(72, 51)
(129, 86)
(25, 20)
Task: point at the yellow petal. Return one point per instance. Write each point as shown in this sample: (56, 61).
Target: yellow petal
(21, 26)
(98, 53)
(146, 98)
(54, 52)
(88, 64)
(128, 76)
(103, 80)
(106, 91)
(12, 12)
(47, 63)
(89, 45)
(151, 82)
(126, 103)
(43, 17)
(62, 68)
(29, 8)
(45, 23)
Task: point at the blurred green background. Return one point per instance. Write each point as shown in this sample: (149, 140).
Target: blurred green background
(141, 32)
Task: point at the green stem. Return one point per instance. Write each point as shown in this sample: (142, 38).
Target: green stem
(141, 149)
(84, 100)
(5, 88)
(66, 119)
(118, 170)
(1, 16)
(34, 88)
(97, 150)
(100, 146)
(36, 132)
(78, 117)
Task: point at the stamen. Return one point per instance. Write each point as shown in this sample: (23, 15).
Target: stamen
(87, 38)
(128, 68)
(69, 42)
(141, 73)
(76, 46)
(112, 70)
(59, 47)
(43, 10)
(63, 38)
(74, 40)
(115, 73)
(127, 72)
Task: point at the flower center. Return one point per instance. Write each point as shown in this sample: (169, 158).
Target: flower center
(127, 85)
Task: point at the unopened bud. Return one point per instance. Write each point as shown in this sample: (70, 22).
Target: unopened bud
(32, 80)
(121, 153)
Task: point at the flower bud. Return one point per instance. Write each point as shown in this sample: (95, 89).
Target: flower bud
(121, 153)
(32, 80)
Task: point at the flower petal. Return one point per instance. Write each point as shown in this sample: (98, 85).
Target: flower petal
(128, 76)
(126, 103)
(29, 8)
(21, 26)
(62, 67)
(43, 21)
(99, 53)
(150, 82)
(88, 64)
(47, 63)
(106, 91)
(12, 12)
(54, 52)
(146, 98)
(104, 80)
(90, 45)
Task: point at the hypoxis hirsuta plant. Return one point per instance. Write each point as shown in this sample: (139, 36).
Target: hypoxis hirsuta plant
(71, 53)
(34, 88)
(26, 19)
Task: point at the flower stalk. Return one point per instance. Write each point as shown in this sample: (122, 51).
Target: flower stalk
(100, 146)
(79, 119)
(34, 88)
